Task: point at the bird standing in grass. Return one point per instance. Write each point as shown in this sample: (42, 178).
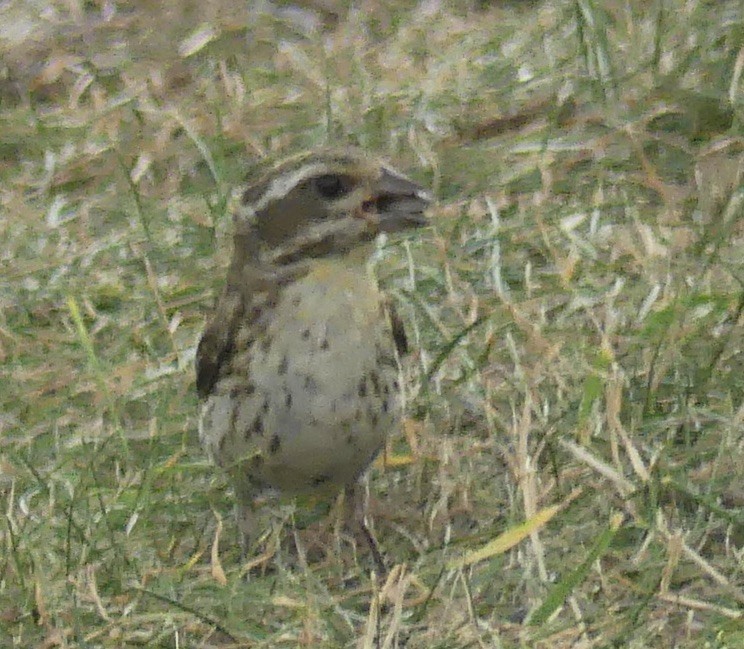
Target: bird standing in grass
(297, 369)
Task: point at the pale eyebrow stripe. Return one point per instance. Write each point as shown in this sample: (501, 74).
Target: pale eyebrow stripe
(285, 183)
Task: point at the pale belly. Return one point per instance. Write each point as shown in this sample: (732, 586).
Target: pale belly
(324, 386)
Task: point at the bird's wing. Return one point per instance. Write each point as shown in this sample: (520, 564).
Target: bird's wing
(217, 342)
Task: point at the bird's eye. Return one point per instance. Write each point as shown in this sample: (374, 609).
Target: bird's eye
(333, 185)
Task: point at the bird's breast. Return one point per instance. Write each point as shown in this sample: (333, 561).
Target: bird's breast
(326, 375)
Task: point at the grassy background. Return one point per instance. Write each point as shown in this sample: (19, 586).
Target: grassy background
(575, 310)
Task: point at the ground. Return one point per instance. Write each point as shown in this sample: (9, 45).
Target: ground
(571, 471)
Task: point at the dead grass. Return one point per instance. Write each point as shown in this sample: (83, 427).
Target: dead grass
(576, 310)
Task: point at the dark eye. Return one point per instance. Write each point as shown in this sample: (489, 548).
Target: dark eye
(332, 185)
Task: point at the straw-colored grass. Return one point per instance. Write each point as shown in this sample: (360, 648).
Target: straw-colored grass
(571, 472)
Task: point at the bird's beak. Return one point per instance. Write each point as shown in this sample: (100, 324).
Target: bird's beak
(397, 203)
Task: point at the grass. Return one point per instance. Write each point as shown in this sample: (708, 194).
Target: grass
(571, 469)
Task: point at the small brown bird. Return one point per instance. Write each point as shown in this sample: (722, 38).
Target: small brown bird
(297, 370)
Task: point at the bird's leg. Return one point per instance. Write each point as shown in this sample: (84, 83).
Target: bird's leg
(354, 503)
(245, 517)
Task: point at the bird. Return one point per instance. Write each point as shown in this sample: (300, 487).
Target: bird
(297, 371)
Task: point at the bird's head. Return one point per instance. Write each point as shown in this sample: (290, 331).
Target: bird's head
(324, 204)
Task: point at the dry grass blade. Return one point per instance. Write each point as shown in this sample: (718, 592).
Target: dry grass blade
(514, 535)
